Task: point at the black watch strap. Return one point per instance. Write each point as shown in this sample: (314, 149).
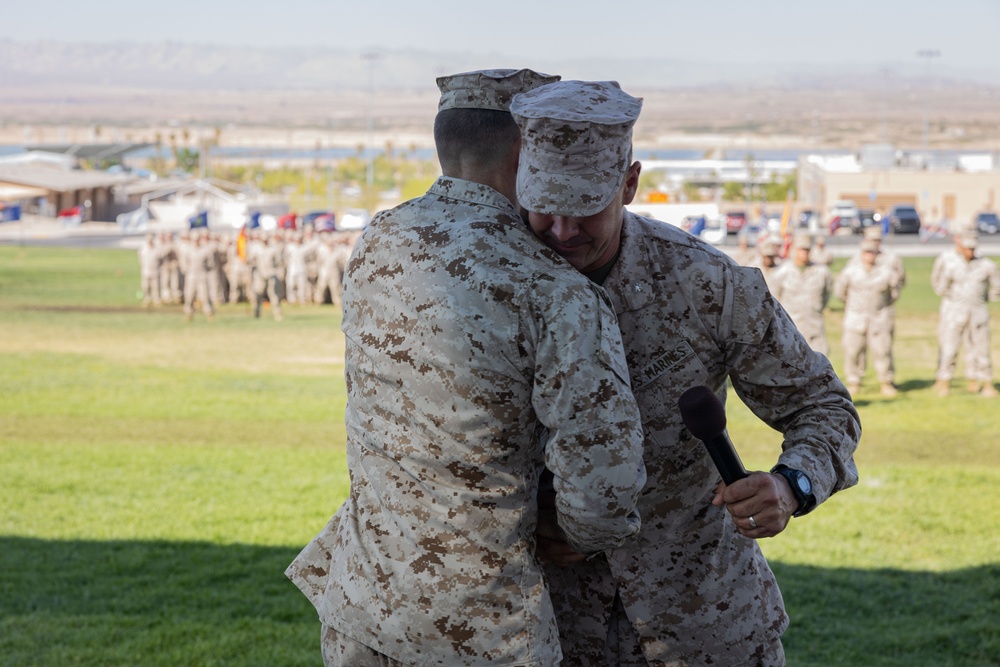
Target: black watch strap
(801, 487)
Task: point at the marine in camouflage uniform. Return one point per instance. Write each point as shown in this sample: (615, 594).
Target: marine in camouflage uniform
(868, 289)
(820, 254)
(474, 354)
(268, 275)
(886, 257)
(804, 290)
(199, 267)
(768, 260)
(966, 283)
(170, 272)
(692, 588)
(150, 260)
(746, 251)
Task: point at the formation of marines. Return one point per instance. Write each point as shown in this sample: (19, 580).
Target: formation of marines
(200, 268)
(869, 284)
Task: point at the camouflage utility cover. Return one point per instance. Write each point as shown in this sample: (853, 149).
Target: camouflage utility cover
(696, 591)
(465, 336)
(577, 139)
(488, 88)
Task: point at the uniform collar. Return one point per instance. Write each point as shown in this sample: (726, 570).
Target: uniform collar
(472, 193)
(631, 282)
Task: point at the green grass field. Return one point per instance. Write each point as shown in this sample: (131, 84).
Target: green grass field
(157, 476)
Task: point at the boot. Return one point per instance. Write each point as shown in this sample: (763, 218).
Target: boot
(989, 391)
(973, 387)
(889, 390)
(942, 388)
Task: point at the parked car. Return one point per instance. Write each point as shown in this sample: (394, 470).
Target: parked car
(808, 219)
(987, 222)
(843, 216)
(866, 218)
(735, 221)
(845, 208)
(904, 219)
(354, 218)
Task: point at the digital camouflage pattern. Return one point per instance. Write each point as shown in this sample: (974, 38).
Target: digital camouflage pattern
(804, 293)
(885, 255)
(488, 89)
(468, 340)
(868, 294)
(576, 144)
(965, 289)
(698, 592)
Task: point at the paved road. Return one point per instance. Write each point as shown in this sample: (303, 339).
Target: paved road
(48, 232)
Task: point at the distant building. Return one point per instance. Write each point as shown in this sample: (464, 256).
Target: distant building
(47, 179)
(46, 189)
(944, 188)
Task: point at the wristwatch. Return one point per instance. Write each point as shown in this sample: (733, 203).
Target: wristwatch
(801, 487)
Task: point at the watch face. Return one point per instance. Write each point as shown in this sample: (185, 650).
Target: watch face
(803, 483)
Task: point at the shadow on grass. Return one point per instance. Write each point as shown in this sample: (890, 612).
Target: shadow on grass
(183, 603)
(891, 617)
(151, 603)
(915, 384)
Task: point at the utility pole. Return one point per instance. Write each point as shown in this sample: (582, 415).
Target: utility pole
(370, 57)
(929, 55)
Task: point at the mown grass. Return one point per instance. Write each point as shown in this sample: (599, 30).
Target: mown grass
(156, 477)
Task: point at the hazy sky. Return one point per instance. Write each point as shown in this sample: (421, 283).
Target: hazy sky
(844, 32)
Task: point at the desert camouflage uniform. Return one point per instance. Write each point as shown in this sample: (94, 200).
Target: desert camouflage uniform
(333, 265)
(820, 254)
(199, 267)
(695, 590)
(804, 293)
(170, 271)
(312, 243)
(869, 318)
(150, 260)
(296, 276)
(218, 280)
(268, 276)
(965, 288)
(185, 250)
(745, 255)
(464, 333)
(238, 273)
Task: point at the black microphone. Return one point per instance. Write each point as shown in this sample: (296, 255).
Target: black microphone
(705, 416)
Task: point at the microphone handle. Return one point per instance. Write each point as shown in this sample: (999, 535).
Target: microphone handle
(724, 455)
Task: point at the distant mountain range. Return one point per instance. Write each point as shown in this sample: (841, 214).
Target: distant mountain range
(189, 66)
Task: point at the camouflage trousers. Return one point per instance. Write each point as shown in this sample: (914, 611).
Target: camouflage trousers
(857, 345)
(972, 331)
(341, 651)
(595, 630)
(198, 290)
(151, 288)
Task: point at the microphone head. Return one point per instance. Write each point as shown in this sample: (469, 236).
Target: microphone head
(702, 411)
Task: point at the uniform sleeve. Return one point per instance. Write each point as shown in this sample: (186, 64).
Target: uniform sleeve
(939, 276)
(841, 283)
(827, 286)
(793, 389)
(581, 394)
(994, 283)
